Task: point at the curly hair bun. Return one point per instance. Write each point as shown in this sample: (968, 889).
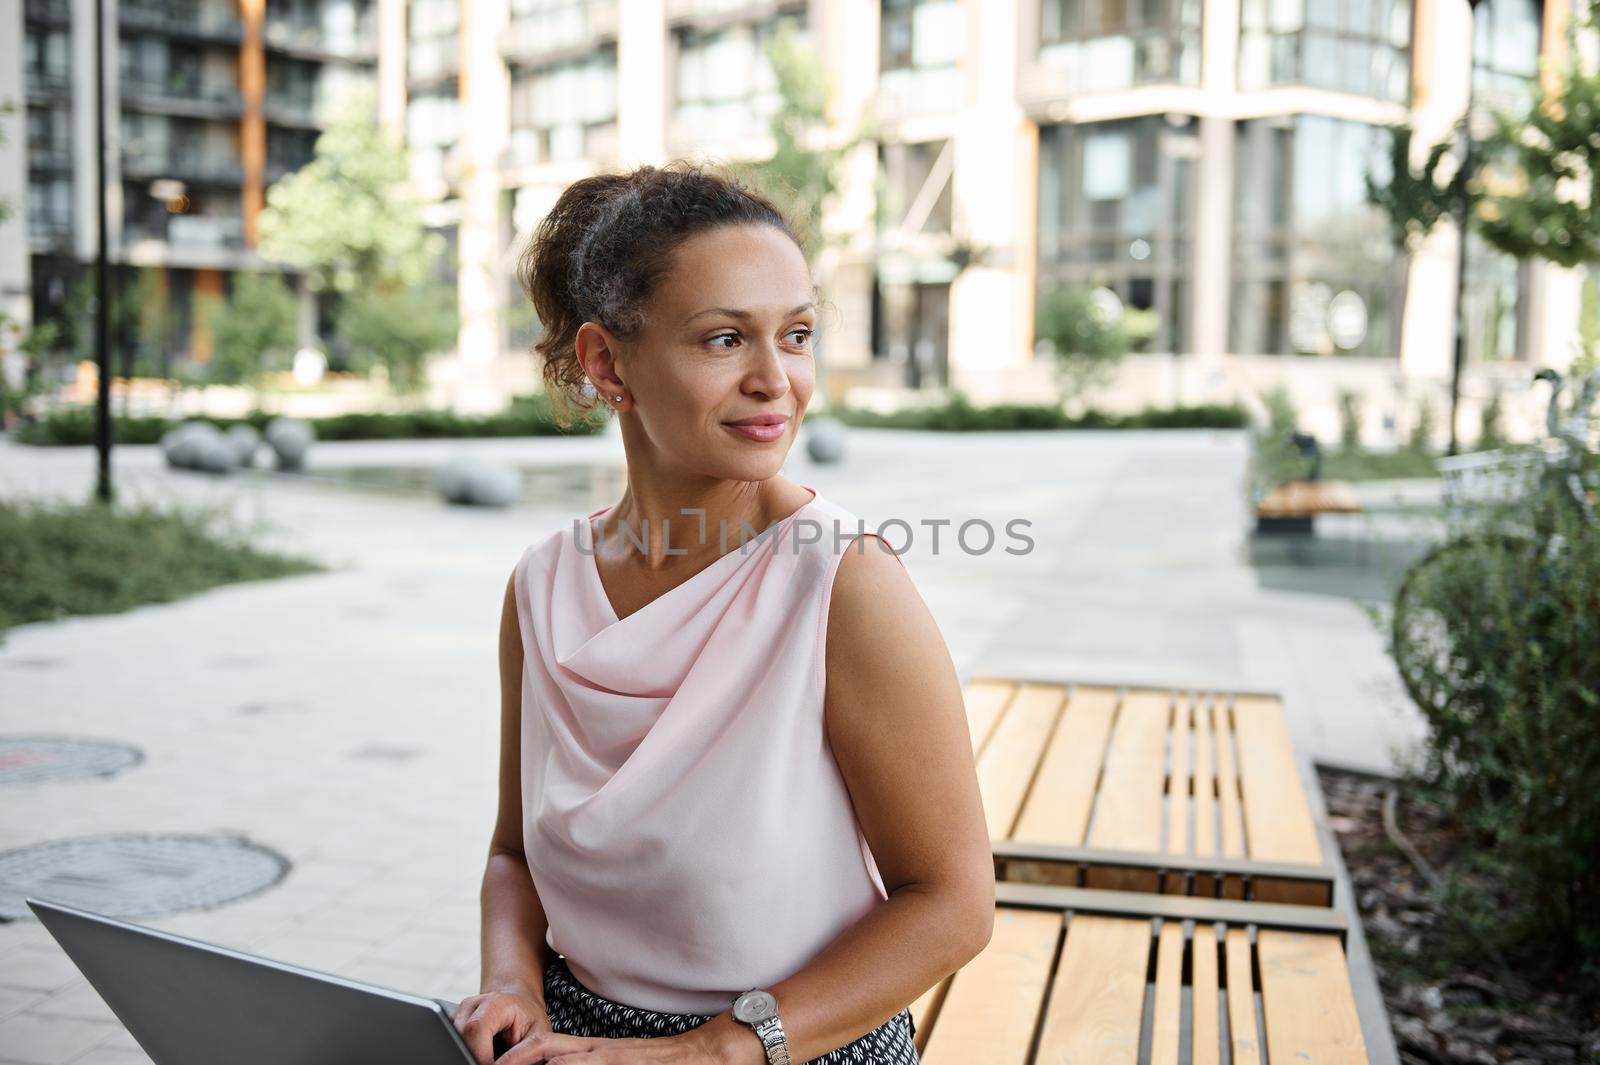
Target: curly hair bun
(605, 246)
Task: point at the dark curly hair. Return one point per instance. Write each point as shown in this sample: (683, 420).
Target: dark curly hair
(604, 248)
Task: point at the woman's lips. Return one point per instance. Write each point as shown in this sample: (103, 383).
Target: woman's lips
(764, 433)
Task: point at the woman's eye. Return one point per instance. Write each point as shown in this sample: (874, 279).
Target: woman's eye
(723, 336)
(805, 335)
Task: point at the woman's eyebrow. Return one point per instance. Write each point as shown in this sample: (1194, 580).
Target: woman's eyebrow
(732, 312)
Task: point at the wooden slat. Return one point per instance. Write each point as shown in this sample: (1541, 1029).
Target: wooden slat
(1277, 819)
(1300, 499)
(1127, 814)
(1204, 1003)
(1006, 767)
(1230, 817)
(985, 700)
(1177, 836)
(992, 1007)
(1057, 808)
(1205, 794)
(1097, 1001)
(1309, 1009)
(1168, 1006)
(1242, 1035)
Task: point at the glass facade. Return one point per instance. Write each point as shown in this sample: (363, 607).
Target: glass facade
(1354, 46)
(1506, 39)
(566, 111)
(726, 87)
(1116, 211)
(1112, 44)
(1314, 272)
(920, 44)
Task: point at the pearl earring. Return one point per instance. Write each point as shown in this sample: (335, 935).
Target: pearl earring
(619, 399)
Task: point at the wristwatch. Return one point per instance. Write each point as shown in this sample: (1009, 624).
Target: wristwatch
(759, 1010)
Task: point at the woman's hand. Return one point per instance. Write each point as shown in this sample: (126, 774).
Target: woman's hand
(720, 1041)
(513, 1016)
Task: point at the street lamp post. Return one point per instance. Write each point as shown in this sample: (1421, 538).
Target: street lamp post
(1463, 217)
(102, 302)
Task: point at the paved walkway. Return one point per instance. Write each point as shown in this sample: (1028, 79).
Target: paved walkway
(259, 706)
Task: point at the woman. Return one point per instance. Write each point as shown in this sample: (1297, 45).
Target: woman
(735, 764)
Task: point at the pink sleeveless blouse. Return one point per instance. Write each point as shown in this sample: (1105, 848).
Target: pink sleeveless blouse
(685, 822)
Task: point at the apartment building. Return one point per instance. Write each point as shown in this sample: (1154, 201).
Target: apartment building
(1200, 160)
(207, 103)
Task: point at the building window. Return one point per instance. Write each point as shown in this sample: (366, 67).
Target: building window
(920, 46)
(1112, 44)
(50, 209)
(1506, 39)
(906, 167)
(1354, 46)
(1116, 212)
(726, 87)
(566, 111)
(1314, 272)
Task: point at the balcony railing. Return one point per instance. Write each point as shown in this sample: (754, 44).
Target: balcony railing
(289, 34)
(57, 11)
(183, 18)
(193, 166)
(188, 231)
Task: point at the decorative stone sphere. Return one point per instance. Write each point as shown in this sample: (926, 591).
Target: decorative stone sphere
(215, 454)
(473, 481)
(290, 439)
(184, 444)
(825, 437)
(245, 441)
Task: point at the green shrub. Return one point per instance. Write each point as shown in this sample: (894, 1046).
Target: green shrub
(64, 559)
(1274, 458)
(1350, 412)
(958, 414)
(526, 416)
(1503, 653)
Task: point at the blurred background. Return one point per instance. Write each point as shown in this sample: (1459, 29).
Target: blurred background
(985, 176)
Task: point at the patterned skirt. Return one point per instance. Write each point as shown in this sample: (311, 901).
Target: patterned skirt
(576, 1010)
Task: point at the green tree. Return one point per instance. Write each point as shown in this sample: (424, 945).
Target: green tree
(346, 218)
(398, 329)
(802, 173)
(256, 321)
(1088, 342)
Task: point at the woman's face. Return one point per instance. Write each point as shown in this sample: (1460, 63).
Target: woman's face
(727, 338)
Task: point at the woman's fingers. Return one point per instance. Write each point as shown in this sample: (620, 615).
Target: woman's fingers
(543, 1046)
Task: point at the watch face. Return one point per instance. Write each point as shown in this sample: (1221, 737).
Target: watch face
(753, 1007)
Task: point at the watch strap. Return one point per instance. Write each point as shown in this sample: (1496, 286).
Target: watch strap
(774, 1040)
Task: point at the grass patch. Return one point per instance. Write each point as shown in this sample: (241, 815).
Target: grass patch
(1344, 464)
(530, 415)
(64, 558)
(958, 414)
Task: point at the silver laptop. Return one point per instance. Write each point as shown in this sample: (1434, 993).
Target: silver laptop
(192, 1003)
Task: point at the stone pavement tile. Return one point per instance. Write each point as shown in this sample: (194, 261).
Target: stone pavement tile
(433, 950)
(356, 919)
(16, 999)
(324, 953)
(38, 968)
(411, 979)
(106, 1055)
(38, 1040)
(78, 1000)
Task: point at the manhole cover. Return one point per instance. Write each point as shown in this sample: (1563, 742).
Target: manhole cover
(33, 759)
(134, 875)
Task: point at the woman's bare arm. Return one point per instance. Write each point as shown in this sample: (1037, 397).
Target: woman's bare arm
(897, 724)
(514, 922)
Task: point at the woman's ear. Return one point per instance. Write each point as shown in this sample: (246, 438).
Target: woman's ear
(597, 352)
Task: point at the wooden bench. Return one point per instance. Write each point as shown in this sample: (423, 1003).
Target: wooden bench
(1290, 507)
(1147, 842)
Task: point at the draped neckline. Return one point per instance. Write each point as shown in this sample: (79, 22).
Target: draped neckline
(592, 560)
